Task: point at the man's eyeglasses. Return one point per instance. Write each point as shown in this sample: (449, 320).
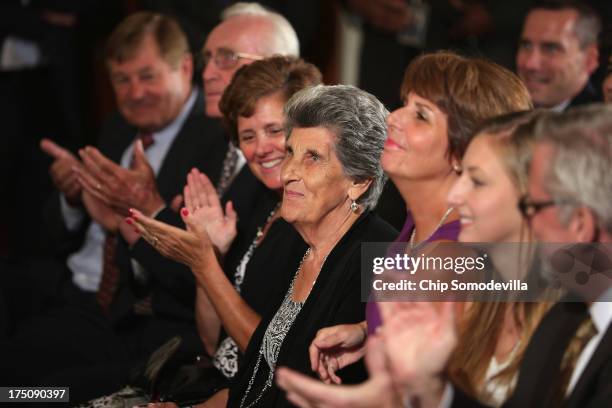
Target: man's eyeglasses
(529, 208)
(226, 58)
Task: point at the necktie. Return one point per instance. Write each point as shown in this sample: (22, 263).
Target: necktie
(227, 171)
(110, 269)
(586, 331)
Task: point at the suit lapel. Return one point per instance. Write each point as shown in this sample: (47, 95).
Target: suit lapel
(540, 366)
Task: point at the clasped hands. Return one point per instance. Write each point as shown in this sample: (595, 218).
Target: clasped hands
(106, 189)
(406, 360)
(210, 229)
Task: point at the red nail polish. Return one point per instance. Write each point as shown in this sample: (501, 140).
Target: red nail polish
(136, 231)
(185, 212)
(131, 211)
(129, 221)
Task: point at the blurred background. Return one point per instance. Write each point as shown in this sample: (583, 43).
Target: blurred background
(53, 80)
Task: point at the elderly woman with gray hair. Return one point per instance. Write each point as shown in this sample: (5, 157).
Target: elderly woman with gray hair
(332, 178)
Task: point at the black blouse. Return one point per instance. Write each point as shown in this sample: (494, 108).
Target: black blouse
(334, 299)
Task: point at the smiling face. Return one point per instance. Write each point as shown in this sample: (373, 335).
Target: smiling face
(316, 188)
(261, 138)
(417, 142)
(149, 91)
(550, 60)
(486, 197)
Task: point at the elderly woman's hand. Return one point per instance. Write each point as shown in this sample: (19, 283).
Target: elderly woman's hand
(192, 247)
(378, 391)
(204, 208)
(336, 347)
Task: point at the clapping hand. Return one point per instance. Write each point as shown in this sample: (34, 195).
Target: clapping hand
(419, 338)
(191, 247)
(63, 171)
(118, 187)
(204, 209)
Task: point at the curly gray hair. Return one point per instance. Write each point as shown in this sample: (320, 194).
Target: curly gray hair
(357, 119)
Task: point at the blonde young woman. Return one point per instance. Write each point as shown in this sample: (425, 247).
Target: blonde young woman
(493, 335)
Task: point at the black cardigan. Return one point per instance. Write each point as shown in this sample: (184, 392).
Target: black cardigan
(335, 299)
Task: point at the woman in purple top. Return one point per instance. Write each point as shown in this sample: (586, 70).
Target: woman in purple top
(446, 97)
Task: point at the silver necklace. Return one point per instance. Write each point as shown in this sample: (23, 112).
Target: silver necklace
(289, 319)
(411, 242)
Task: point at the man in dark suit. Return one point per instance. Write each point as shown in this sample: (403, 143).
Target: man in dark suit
(154, 303)
(558, 52)
(151, 70)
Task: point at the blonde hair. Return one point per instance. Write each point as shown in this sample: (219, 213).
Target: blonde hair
(480, 327)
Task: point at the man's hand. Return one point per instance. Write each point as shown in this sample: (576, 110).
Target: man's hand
(101, 213)
(63, 171)
(117, 187)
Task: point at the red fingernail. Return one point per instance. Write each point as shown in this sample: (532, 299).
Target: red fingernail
(131, 211)
(185, 212)
(136, 231)
(128, 220)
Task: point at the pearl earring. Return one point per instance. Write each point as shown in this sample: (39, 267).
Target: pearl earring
(354, 206)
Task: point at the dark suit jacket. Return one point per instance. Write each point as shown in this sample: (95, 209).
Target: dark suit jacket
(589, 94)
(540, 366)
(200, 143)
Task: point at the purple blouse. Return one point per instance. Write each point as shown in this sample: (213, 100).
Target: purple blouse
(448, 232)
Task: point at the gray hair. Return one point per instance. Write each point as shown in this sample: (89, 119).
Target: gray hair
(283, 40)
(581, 170)
(357, 119)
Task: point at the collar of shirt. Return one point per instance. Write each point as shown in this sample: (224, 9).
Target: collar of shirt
(561, 107)
(163, 138)
(601, 312)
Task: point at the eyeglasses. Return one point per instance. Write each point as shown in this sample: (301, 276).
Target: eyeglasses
(226, 58)
(530, 208)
